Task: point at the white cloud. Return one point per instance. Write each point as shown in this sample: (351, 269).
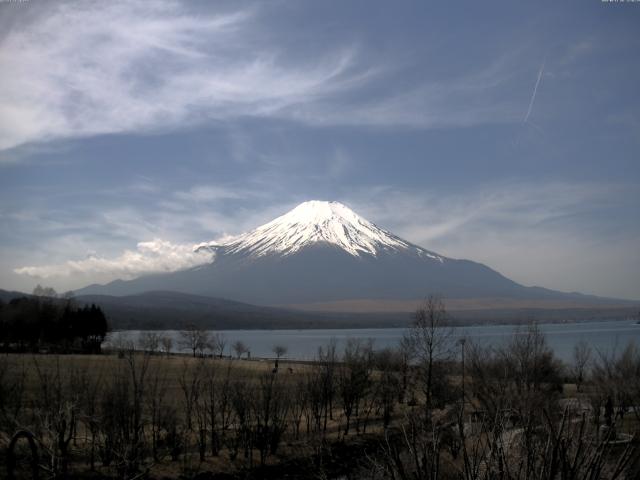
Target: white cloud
(102, 67)
(474, 97)
(88, 68)
(434, 216)
(149, 257)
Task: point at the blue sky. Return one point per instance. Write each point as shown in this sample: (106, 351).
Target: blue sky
(503, 132)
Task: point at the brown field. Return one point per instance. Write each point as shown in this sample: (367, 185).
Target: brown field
(38, 372)
(130, 415)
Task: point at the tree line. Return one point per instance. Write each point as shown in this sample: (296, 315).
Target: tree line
(45, 322)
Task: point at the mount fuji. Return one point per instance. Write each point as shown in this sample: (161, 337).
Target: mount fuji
(323, 254)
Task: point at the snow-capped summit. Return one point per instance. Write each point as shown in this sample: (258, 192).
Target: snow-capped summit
(316, 222)
(323, 252)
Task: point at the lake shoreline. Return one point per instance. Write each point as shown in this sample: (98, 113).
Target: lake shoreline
(303, 344)
(331, 325)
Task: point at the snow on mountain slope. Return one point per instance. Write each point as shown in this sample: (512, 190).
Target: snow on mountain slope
(315, 222)
(323, 252)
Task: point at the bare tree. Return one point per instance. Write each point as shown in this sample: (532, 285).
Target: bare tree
(223, 403)
(270, 410)
(156, 403)
(122, 416)
(354, 378)
(616, 382)
(211, 402)
(57, 410)
(405, 353)
(299, 405)
(581, 357)
(219, 342)
(517, 387)
(565, 449)
(149, 342)
(239, 348)
(430, 339)
(194, 339)
(317, 403)
(90, 411)
(388, 363)
(279, 351)
(189, 380)
(243, 397)
(12, 389)
(167, 344)
(328, 360)
(122, 343)
(137, 370)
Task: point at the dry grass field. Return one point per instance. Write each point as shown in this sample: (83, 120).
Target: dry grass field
(129, 415)
(183, 378)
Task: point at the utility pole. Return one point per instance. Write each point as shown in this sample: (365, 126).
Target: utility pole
(461, 415)
(463, 341)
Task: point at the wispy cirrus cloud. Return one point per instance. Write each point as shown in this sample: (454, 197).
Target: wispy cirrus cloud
(433, 216)
(552, 234)
(90, 68)
(477, 96)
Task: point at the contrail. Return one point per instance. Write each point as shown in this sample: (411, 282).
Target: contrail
(535, 90)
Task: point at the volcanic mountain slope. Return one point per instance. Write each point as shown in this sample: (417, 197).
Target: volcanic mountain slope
(324, 252)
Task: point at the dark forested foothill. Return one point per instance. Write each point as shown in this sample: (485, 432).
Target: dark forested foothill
(50, 324)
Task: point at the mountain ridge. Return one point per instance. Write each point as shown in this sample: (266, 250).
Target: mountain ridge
(324, 252)
(162, 310)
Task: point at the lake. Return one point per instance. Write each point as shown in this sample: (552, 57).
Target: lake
(606, 336)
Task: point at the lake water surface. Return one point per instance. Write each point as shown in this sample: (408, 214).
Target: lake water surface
(606, 336)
